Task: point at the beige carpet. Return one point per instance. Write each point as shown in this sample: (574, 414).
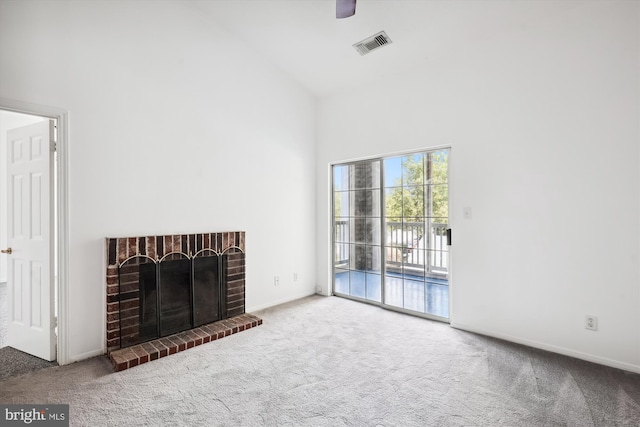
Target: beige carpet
(332, 362)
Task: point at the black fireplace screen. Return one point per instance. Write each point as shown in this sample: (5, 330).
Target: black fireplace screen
(207, 289)
(177, 293)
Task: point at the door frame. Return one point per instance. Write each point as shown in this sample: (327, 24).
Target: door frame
(60, 208)
(331, 233)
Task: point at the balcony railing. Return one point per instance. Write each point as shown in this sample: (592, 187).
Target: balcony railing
(406, 246)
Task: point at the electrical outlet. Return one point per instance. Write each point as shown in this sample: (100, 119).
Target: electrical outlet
(591, 322)
(276, 281)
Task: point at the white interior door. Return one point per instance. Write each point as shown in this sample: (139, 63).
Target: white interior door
(30, 236)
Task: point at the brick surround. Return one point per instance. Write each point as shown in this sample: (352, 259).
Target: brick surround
(122, 249)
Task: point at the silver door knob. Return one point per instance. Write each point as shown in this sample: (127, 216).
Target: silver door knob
(6, 251)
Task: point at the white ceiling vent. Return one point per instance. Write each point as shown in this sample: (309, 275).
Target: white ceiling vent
(374, 42)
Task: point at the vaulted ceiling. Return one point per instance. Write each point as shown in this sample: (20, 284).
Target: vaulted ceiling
(305, 40)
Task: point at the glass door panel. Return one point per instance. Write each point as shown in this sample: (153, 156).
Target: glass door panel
(416, 219)
(357, 237)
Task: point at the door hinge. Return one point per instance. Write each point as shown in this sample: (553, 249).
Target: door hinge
(449, 242)
(54, 146)
(54, 322)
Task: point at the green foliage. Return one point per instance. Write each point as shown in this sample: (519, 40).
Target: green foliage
(407, 200)
(440, 193)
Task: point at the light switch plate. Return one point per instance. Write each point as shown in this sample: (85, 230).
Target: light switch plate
(466, 213)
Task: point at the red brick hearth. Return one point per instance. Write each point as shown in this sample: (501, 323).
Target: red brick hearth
(152, 350)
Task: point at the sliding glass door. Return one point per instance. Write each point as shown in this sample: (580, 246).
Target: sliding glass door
(390, 221)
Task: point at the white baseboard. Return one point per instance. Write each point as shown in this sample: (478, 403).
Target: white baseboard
(83, 356)
(552, 348)
(278, 302)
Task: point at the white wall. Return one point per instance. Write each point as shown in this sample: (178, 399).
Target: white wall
(544, 125)
(8, 121)
(175, 127)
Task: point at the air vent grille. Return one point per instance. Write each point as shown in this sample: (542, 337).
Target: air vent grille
(374, 42)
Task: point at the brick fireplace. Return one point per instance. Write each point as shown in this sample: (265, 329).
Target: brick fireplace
(134, 288)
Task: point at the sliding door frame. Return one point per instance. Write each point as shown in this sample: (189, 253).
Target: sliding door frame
(383, 236)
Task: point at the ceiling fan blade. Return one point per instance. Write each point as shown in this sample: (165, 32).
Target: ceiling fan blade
(345, 8)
